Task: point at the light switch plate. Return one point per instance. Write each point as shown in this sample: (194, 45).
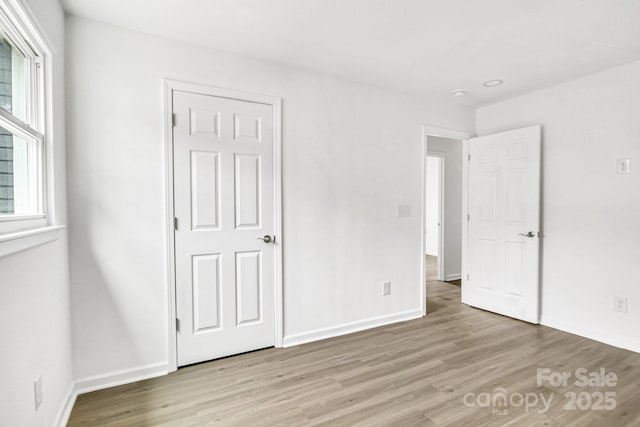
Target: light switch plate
(623, 166)
(37, 392)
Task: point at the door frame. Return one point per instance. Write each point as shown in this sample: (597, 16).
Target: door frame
(428, 130)
(174, 85)
(441, 214)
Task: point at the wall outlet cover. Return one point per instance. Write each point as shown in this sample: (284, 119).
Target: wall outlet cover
(386, 288)
(623, 166)
(620, 304)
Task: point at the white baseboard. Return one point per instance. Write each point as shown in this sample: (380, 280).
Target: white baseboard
(450, 277)
(616, 341)
(102, 381)
(67, 406)
(348, 328)
(124, 376)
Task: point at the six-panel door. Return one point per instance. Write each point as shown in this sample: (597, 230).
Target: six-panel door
(504, 205)
(224, 204)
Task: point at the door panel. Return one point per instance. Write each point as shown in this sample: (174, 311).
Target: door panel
(248, 287)
(205, 190)
(247, 186)
(504, 205)
(224, 203)
(206, 292)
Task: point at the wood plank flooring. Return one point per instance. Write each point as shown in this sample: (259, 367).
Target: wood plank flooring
(415, 373)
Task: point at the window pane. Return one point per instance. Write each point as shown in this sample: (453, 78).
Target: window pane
(12, 79)
(18, 194)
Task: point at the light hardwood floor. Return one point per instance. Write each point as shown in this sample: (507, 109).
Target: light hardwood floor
(412, 373)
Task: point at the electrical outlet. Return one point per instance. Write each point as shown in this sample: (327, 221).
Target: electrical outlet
(37, 391)
(386, 288)
(620, 304)
(623, 166)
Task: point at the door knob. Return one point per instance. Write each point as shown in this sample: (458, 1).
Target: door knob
(267, 239)
(530, 234)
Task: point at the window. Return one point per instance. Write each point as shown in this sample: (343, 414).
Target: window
(22, 142)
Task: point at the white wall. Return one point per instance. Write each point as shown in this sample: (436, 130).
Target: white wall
(432, 205)
(34, 286)
(591, 216)
(351, 153)
(452, 203)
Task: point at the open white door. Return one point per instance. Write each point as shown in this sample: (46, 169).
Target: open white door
(504, 223)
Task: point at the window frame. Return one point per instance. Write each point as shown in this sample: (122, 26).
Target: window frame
(26, 37)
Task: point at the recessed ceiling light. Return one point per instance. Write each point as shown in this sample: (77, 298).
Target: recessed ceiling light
(459, 92)
(493, 83)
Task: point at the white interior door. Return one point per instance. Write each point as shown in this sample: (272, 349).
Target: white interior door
(433, 206)
(224, 205)
(504, 221)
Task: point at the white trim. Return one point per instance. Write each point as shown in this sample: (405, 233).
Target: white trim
(169, 87)
(423, 222)
(428, 130)
(464, 289)
(119, 377)
(445, 133)
(600, 336)
(442, 214)
(10, 224)
(349, 328)
(450, 277)
(67, 406)
(48, 152)
(22, 240)
(23, 19)
(11, 218)
(277, 175)
(169, 218)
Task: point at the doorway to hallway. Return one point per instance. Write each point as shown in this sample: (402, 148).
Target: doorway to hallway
(443, 207)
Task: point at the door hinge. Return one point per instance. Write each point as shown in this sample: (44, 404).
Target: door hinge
(175, 223)
(173, 119)
(177, 325)
(468, 218)
(469, 157)
(467, 277)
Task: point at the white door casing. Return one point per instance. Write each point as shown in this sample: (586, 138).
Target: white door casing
(503, 207)
(224, 203)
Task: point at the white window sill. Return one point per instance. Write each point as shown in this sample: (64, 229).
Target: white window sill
(11, 243)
